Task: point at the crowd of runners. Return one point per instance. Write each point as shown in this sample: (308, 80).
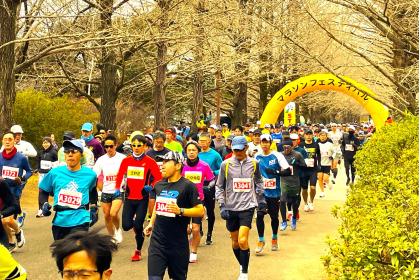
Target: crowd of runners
(170, 182)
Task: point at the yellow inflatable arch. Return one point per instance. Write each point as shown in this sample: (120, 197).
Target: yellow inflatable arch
(316, 82)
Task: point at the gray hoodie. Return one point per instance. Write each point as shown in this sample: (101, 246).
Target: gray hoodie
(243, 187)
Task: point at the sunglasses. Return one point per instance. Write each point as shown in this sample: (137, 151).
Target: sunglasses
(71, 151)
(237, 150)
(108, 146)
(137, 146)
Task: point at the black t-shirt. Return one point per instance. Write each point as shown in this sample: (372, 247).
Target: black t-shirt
(313, 153)
(172, 231)
(153, 154)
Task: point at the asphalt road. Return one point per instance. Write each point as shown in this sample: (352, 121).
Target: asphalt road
(298, 256)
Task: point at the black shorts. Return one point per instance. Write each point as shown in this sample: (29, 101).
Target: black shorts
(196, 220)
(239, 218)
(61, 232)
(325, 169)
(308, 177)
(175, 259)
(110, 197)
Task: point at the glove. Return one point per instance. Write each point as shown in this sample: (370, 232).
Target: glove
(46, 209)
(93, 215)
(117, 193)
(224, 213)
(272, 171)
(147, 188)
(262, 207)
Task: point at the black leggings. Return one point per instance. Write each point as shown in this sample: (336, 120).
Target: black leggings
(139, 209)
(349, 163)
(209, 203)
(273, 211)
(294, 201)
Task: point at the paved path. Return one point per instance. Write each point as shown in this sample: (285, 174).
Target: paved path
(298, 256)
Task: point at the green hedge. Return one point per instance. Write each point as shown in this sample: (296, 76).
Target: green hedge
(378, 235)
(39, 115)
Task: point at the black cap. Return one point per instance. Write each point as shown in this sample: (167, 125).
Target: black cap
(69, 135)
(309, 131)
(257, 131)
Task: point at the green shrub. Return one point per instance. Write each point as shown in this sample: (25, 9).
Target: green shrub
(378, 235)
(40, 115)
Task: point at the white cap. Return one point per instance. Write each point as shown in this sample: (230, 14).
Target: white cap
(16, 129)
(352, 127)
(266, 137)
(267, 125)
(258, 122)
(213, 126)
(224, 124)
(294, 136)
(324, 131)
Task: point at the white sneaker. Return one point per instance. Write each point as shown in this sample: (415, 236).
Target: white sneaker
(118, 236)
(243, 276)
(306, 208)
(322, 194)
(39, 214)
(193, 257)
(311, 206)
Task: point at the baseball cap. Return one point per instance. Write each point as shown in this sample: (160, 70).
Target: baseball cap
(149, 136)
(87, 126)
(16, 129)
(324, 131)
(257, 131)
(68, 135)
(308, 131)
(294, 136)
(213, 126)
(266, 137)
(73, 144)
(225, 124)
(287, 143)
(239, 143)
(171, 155)
(352, 127)
(267, 125)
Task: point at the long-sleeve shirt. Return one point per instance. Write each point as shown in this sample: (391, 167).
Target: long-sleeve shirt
(14, 167)
(213, 159)
(242, 188)
(139, 171)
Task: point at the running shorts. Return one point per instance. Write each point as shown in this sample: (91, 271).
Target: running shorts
(239, 218)
(110, 197)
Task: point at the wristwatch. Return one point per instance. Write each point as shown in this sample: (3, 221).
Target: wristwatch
(181, 211)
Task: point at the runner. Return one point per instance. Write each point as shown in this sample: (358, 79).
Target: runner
(84, 255)
(74, 189)
(107, 167)
(177, 201)
(92, 143)
(142, 173)
(198, 172)
(219, 142)
(22, 146)
(290, 185)
(326, 148)
(227, 150)
(238, 130)
(239, 191)
(47, 159)
(272, 165)
(254, 147)
(225, 130)
(15, 171)
(309, 173)
(336, 137)
(171, 142)
(88, 159)
(349, 148)
(213, 159)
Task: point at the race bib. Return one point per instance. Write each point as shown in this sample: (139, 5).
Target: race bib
(160, 163)
(162, 206)
(10, 172)
(241, 184)
(46, 164)
(269, 184)
(134, 172)
(111, 178)
(194, 176)
(349, 147)
(69, 198)
(310, 162)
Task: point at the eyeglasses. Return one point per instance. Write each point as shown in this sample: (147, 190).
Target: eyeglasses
(137, 146)
(71, 151)
(79, 274)
(237, 150)
(108, 146)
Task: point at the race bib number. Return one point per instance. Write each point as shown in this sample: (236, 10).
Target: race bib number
(10, 172)
(194, 176)
(111, 178)
(134, 172)
(269, 184)
(241, 184)
(310, 162)
(71, 199)
(160, 163)
(162, 206)
(349, 147)
(46, 164)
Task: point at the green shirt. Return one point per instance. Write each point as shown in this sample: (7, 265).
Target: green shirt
(174, 146)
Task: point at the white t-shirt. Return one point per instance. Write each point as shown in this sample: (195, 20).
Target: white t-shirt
(108, 167)
(252, 148)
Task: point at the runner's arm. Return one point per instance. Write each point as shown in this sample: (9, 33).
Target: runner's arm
(120, 174)
(221, 185)
(27, 168)
(30, 150)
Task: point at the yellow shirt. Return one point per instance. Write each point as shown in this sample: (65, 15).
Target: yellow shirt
(226, 133)
(8, 265)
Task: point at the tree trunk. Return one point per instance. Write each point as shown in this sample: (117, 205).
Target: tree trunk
(108, 88)
(198, 81)
(8, 16)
